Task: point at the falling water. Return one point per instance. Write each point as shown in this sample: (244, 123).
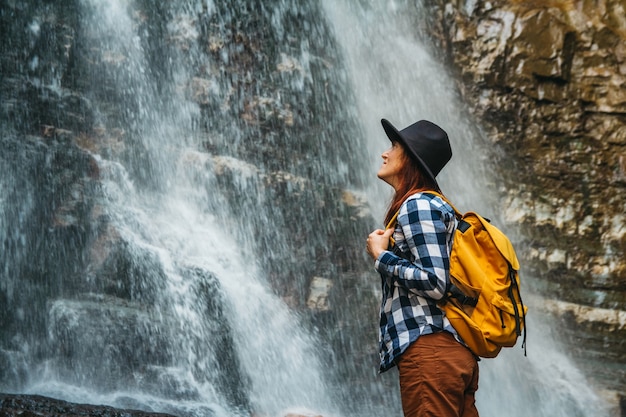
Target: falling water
(228, 131)
(200, 327)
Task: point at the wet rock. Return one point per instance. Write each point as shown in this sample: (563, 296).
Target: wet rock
(318, 294)
(36, 405)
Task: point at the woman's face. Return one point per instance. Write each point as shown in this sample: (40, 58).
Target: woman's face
(393, 161)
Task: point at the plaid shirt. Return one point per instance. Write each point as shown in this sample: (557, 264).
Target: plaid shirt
(415, 275)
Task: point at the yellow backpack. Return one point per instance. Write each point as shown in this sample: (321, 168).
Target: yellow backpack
(484, 303)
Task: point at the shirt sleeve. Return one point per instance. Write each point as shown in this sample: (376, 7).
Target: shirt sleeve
(424, 224)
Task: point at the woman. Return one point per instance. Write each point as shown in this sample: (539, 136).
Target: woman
(438, 373)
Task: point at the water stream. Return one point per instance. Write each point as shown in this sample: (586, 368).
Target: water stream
(240, 122)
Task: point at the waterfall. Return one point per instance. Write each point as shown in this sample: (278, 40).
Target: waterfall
(220, 143)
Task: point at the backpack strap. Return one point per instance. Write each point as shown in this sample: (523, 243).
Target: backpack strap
(520, 322)
(455, 292)
(457, 213)
(392, 223)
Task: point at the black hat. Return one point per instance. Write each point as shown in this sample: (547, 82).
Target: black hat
(426, 142)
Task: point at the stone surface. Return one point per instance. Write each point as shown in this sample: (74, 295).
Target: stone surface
(318, 294)
(36, 405)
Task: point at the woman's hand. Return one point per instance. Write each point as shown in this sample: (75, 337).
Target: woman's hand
(378, 242)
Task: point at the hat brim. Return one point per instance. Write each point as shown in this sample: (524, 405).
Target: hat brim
(394, 135)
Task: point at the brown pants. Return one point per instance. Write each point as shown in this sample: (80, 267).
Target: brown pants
(438, 378)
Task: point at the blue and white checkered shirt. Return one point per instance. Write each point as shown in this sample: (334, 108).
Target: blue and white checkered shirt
(415, 275)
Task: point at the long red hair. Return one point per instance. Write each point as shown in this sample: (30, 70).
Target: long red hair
(412, 180)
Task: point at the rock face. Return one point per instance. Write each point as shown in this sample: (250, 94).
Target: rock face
(547, 79)
(35, 405)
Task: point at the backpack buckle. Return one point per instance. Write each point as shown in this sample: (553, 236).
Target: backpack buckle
(461, 297)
